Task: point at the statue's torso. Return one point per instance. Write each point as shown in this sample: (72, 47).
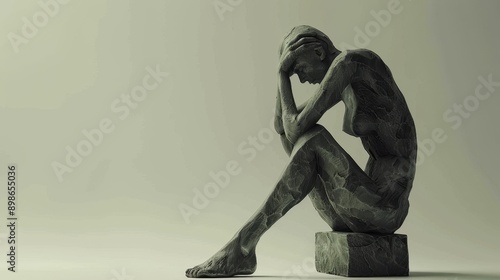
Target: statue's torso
(377, 113)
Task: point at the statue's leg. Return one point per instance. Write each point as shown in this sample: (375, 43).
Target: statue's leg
(315, 156)
(325, 208)
(318, 195)
(296, 182)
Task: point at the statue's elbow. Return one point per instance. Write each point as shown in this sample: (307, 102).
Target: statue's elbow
(292, 135)
(291, 139)
(293, 130)
(278, 126)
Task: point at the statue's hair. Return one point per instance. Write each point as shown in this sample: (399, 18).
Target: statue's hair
(303, 31)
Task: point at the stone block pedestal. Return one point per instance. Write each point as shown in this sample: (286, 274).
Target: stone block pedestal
(361, 255)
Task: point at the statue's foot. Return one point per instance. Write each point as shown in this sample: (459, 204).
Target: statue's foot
(229, 261)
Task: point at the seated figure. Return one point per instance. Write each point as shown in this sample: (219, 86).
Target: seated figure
(348, 198)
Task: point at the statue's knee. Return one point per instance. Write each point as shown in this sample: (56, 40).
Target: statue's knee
(310, 135)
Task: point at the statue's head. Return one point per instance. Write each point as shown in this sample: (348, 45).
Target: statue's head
(318, 53)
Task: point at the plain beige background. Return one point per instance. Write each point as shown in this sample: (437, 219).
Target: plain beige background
(117, 213)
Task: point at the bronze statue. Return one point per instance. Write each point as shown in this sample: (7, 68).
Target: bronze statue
(350, 200)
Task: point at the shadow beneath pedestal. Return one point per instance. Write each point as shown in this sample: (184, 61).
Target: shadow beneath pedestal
(413, 275)
(453, 276)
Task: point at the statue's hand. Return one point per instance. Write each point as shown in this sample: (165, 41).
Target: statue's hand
(286, 63)
(293, 50)
(287, 60)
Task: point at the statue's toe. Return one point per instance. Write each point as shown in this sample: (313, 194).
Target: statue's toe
(190, 272)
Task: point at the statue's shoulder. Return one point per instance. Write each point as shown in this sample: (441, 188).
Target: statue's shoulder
(364, 56)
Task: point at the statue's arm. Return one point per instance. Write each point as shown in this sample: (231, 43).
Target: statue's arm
(295, 122)
(278, 124)
(278, 114)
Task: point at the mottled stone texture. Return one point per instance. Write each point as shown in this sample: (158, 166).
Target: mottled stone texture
(348, 198)
(361, 255)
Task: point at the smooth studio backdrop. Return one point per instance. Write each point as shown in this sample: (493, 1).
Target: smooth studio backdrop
(117, 210)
